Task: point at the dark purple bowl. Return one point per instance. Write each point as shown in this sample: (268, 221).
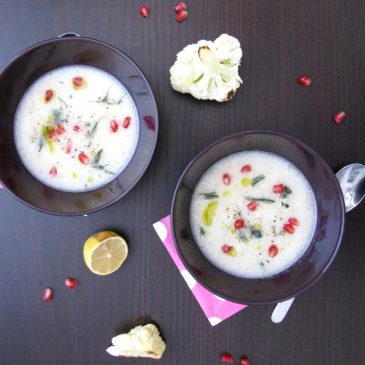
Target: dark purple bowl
(321, 251)
(21, 72)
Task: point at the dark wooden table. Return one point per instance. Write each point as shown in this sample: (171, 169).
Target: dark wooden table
(280, 40)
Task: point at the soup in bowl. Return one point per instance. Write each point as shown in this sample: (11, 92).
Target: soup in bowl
(257, 217)
(79, 128)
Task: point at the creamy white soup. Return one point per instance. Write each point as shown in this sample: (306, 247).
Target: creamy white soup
(76, 128)
(253, 214)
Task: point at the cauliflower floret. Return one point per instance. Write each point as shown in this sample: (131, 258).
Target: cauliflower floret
(141, 341)
(208, 70)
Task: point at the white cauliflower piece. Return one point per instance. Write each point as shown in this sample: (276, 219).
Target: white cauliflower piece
(208, 70)
(141, 341)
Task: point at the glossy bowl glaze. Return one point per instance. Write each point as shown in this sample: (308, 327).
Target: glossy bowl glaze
(321, 251)
(21, 72)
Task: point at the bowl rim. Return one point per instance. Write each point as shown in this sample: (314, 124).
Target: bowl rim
(77, 38)
(302, 288)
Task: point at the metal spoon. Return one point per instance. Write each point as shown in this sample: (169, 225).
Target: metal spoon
(352, 182)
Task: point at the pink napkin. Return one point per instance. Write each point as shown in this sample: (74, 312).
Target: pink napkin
(214, 307)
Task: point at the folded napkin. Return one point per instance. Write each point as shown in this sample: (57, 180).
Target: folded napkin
(214, 307)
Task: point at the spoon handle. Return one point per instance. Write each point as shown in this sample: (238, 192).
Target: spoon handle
(281, 310)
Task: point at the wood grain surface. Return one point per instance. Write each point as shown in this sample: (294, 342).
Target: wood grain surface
(280, 40)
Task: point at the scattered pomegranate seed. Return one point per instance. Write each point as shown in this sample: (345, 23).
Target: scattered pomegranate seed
(304, 80)
(293, 221)
(48, 95)
(277, 189)
(273, 250)
(181, 16)
(226, 248)
(60, 129)
(53, 171)
(76, 128)
(126, 122)
(289, 228)
(149, 122)
(244, 361)
(144, 11)
(226, 357)
(52, 133)
(252, 206)
(114, 126)
(69, 146)
(77, 81)
(246, 168)
(83, 158)
(71, 283)
(180, 6)
(226, 179)
(47, 295)
(239, 223)
(339, 117)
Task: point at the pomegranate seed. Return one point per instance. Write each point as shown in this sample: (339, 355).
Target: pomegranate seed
(239, 223)
(76, 128)
(181, 16)
(52, 133)
(339, 117)
(144, 11)
(127, 122)
(60, 129)
(69, 146)
(226, 179)
(77, 81)
(252, 206)
(48, 95)
(53, 171)
(289, 228)
(244, 361)
(226, 248)
(278, 189)
(246, 168)
(47, 295)
(226, 357)
(294, 221)
(114, 126)
(83, 158)
(71, 283)
(180, 6)
(149, 123)
(304, 80)
(273, 250)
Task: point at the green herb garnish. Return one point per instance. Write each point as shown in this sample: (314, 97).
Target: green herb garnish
(91, 134)
(213, 195)
(274, 231)
(243, 238)
(257, 179)
(95, 163)
(257, 233)
(202, 231)
(285, 205)
(107, 100)
(56, 115)
(40, 144)
(285, 193)
(63, 102)
(263, 200)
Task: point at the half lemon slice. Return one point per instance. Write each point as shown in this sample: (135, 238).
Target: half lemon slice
(105, 252)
